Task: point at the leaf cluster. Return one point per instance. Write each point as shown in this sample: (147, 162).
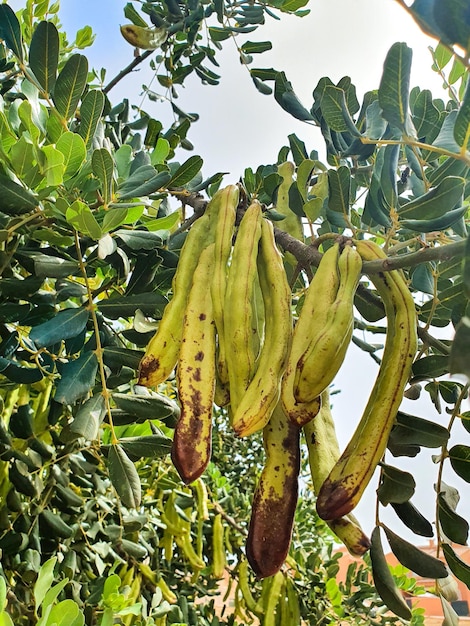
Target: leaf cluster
(90, 240)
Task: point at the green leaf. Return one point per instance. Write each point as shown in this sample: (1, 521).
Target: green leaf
(375, 209)
(151, 446)
(264, 73)
(442, 55)
(388, 176)
(453, 525)
(415, 559)
(141, 239)
(52, 167)
(462, 122)
(206, 183)
(102, 166)
(459, 456)
(160, 152)
(152, 407)
(67, 323)
(423, 13)
(369, 304)
(452, 19)
(5, 619)
(89, 417)
(144, 182)
(412, 430)
(459, 362)
(383, 580)
(22, 288)
(19, 374)
(339, 182)
(446, 139)
(375, 123)
(290, 6)
(219, 33)
(32, 116)
(121, 357)
(304, 173)
(66, 613)
(459, 568)
(285, 96)
(186, 172)
(70, 85)
(466, 269)
(396, 485)
(7, 136)
(422, 278)
(395, 85)
(53, 267)
(44, 55)
(436, 202)
(14, 199)
(90, 113)
(465, 419)
(426, 116)
(134, 16)
(44, 581)
(73, 148)
(413, 519)
(3, 593)
(138, 552)
(124, 476)
(123, 160)
(296, 202)
(297, 147)
(10, 30)
(84, 37)
(430, 367)
(256, 47)
(22, 157)
(76, 378)
(117, 216)
(80, 216)
(438, 223)
(335, 111)
(151, 304)
(313, 208)
(12, 542)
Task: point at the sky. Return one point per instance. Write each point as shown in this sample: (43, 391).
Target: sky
(239, 127)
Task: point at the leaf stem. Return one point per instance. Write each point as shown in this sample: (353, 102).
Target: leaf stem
(414, 143)
(127, 70)
(444, 454)
(99, 349)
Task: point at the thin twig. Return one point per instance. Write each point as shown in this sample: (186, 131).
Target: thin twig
(232, 522)
(99, 349)
(127, 70)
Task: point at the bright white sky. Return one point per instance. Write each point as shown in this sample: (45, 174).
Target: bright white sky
(239, 127)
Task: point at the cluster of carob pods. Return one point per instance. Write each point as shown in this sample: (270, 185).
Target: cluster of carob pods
(229, 332)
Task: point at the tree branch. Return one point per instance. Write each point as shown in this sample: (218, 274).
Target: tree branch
(127, 70)
(230, 520)
(305, 255)
(438, 253)
(308, 255)
(431, 341)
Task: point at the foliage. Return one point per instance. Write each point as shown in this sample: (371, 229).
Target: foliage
(90, 238)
